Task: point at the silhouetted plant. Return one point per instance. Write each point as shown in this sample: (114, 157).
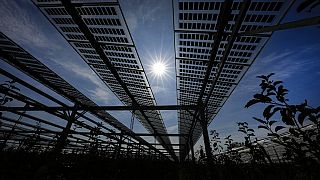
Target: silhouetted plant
(216, 146)
(232, 156)
(4, 99)
(221, 156)
(94, 137)
(215, 142)
(302, 142)
(257, 151)
(201, 154)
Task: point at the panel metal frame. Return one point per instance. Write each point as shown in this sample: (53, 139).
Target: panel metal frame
(89, 29)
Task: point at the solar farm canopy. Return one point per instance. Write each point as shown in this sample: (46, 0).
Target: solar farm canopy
(196, 25)
(98, 32)
(22, 60)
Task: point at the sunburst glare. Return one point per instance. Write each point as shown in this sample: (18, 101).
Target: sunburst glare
(159, 68)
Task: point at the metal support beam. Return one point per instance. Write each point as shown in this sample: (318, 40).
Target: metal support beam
(72, 11)
(107, 108)
(118, 151)
(289, 25)
(204, 125)
(224, 15)
(232, 38)
(74, 96)
(65, 132)
(192, 150)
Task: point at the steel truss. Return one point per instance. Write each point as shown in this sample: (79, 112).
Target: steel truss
(208, 70)
(19, 58)
(98, 31)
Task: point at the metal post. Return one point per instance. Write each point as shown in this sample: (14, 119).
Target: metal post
(65, 132)
(118, 151)
(139, 149)
(192, 150)
(206, 141)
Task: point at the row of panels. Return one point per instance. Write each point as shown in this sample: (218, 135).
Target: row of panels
(22, 60)
(196, 23)
(107, 26)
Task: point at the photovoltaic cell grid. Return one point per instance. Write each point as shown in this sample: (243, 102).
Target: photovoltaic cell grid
(38, 71)
(195, 23)
(106, 22)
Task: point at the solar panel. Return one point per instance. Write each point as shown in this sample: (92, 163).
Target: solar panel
(28, 64)
(195, 25)
(106, 23)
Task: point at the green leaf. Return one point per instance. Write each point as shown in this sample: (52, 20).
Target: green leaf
(262, 98)
(271, 74)
(251, 102)
(240, 123)
(260, 120)
(276, 109)
(263, 77)
(263, 127)
(271, 122)
(266, 112)
(301, 117)
(271, 94)
(279, 128)
(242, 131)
(286, 117)
(277, 83)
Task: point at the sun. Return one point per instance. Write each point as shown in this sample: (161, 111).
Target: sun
(159, 68)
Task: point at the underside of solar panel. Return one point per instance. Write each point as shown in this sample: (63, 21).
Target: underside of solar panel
(195, 27)
(28, 64)
(105, 21)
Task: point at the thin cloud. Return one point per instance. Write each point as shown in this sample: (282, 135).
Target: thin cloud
(172, 129)
(158, 89)
(100, 91)
(140, 13)
(99, 94)
(17, 23)
(283, 64)
(80, 71)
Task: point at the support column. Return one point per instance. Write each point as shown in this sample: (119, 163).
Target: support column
(61, 142)
(118, 151)
(192, 150)
(204, 125)
(139, 149)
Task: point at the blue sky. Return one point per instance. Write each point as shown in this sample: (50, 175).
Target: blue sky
(291, 54)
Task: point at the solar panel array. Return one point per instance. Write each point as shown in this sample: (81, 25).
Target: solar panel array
(106, 23)
(37, 70)
(195, 23)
